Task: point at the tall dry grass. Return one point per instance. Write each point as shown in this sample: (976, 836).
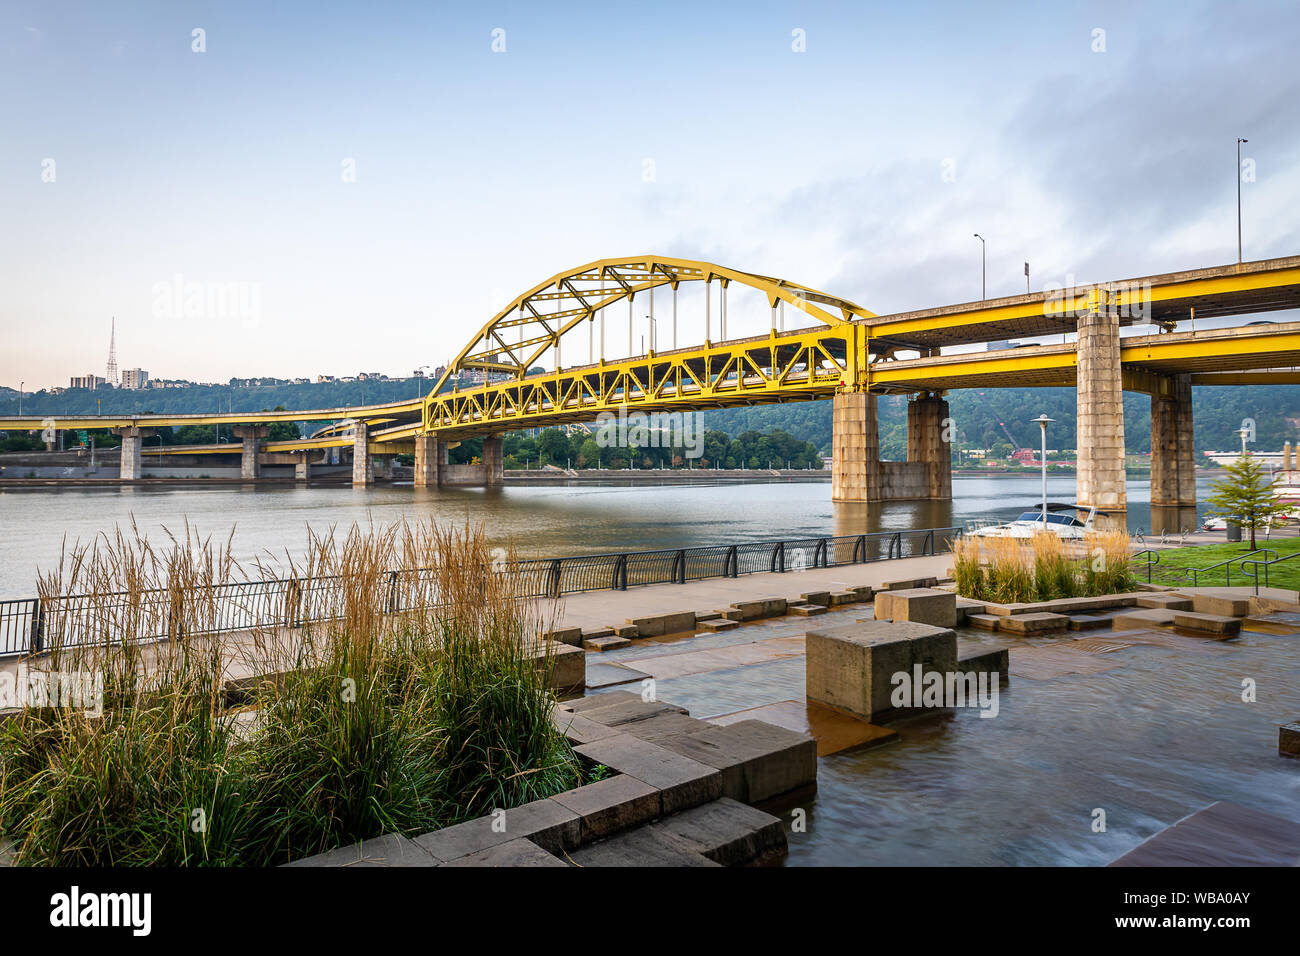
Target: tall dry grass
(1042, 568)
(411, 699)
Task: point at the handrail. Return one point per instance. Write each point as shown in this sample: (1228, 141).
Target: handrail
(1227, 566)
(26, 624)
(1256, 565)
(1153, 558)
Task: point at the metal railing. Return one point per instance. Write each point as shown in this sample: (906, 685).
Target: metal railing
(31, 625)
(1256, 565)
(1227, 567)
(1153, 558)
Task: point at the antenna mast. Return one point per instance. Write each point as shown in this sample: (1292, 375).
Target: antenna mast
(110, 374)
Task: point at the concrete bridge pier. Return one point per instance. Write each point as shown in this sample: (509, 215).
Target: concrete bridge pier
(494, 461)
(1173, 458)
(855, 448)
(302, 467)
(251, 436)
(929, 442)
(430, 461)
(132, 439)
(1100, 416)
(361, 470)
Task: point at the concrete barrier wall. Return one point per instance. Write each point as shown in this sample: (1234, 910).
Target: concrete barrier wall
(904, 479)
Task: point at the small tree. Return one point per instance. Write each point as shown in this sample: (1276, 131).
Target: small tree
(1246, 496)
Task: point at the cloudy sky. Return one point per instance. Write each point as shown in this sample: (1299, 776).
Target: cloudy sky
(359, 187)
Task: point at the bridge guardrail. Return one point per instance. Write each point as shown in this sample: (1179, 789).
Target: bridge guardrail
(31, 625)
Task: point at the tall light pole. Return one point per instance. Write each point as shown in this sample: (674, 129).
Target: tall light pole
(983, 271)
(1239, 142)
(20, 398)
(1043, 422)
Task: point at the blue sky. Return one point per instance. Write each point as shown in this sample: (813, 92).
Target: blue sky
(480, 173)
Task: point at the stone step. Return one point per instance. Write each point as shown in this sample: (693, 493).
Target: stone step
(815, 597)
(728, 832)
(844, 597)
(643, 847)
(757, 760)
(597, 632)
(605, 643)
(1042, 623)
(1170, 601)
(1145, 618)
(702, 616)
(657, 625)
(1219, 625)
(807, 610)
(1087, 622)
(988, 622)
(1223, 602)
(682, 783)
(919, 605)
(909, 584)
(722, 624)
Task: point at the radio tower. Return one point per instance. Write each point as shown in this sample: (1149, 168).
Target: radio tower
(110, 374)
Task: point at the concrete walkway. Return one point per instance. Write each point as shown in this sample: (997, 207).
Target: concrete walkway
(597, 609)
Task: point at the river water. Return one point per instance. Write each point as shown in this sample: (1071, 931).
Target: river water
(546, 519)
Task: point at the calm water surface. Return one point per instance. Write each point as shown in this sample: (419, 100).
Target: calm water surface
(550, 520)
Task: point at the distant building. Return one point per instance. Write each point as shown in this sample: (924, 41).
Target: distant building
(91, 382)
(324, 378)
(135, 378)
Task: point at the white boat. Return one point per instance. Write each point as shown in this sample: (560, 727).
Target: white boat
(1059, 519)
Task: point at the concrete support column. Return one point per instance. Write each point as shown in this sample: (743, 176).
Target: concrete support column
(855, 448)
(361, 473)
(1173, 460)
(384, 467)
(132, 439)
(927, 418)
(494, 460)
(302, 467)
(1186, 443)
(251, 436)
(1100, 414)
(429, 453)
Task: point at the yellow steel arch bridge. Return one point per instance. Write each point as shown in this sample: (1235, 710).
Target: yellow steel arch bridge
(817, 345)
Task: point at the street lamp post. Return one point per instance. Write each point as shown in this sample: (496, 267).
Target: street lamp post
(20, 398)
(1043, 421)
(1239, 142)
(1244, 433)
(983, 270)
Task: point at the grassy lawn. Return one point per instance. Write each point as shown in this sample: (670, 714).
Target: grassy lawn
(1175, 561)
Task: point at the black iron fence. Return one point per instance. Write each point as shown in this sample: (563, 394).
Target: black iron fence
(30, 625)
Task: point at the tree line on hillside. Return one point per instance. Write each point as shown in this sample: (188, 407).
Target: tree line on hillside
(1218, 411)
(712, 449)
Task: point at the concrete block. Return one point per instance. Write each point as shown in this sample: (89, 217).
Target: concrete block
(987, 662)
(807, 610)
(920, 605)
(1170, 601)
(583, 704)
(909, 584)
(1147, 617)
(609, 806)
(390, 850)
(1225, 602)
(619, 712)
(682, 783)
(728, 832)
(988, 622)
(1288, 739)
(702, 616)
(756, 610)
(661, 725)
(512, 853)
(567, 665)
(605, 643)
(566, 635)
(639, 848)
(757, 760)
(1087, 622)
(656, 625)
(579, 729)
(626, 630)
(597, 632)
(1220, 625)
(1033, 623)
(839, 598)
(549, 825)
(722, 624)
(865, 592)
(850, 667)
(816, 597)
